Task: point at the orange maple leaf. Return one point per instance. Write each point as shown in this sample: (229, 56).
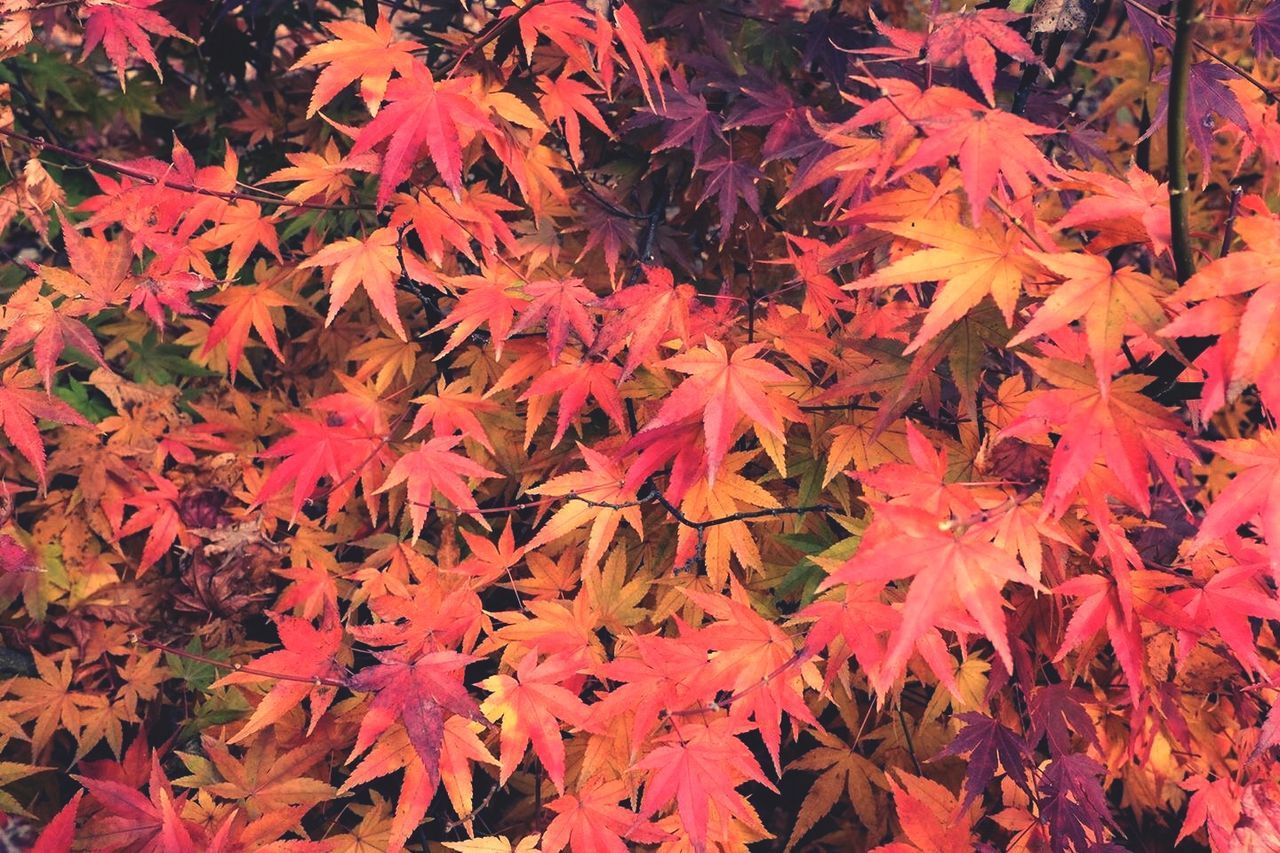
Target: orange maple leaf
(723, 389)
(968, 264)
(1106, 299)
(591, 821)
(597, 496)
(432, 468)
(308, 653)
(357, 52)
(372, 263)
(531, 707)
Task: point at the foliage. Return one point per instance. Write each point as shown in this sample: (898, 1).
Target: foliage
(576, 425)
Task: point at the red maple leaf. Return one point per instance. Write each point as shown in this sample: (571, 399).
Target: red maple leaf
(122, 24)
(976, 34)
(418, 695)
(561, 305)
(421, 114)
(308, 653)
(591, 820)
(950, 569)
(432, 468)
(19, 408)
(723, 389)
(531, 707)
(699, 765)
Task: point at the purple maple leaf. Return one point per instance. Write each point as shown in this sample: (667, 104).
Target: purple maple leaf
(1207, 96)
(987, 740)
(1266, 30)
(1073, 803)
(690, 123)
(1148, 28)
(1057, 710)
(731, 179)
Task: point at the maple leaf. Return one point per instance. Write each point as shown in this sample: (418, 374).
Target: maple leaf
(357, 52)
(732, 180)
(131, 819)
(842, 769)
(1073, 802)
(1214, 802)
(1226, 603)
(1207, 95)
(530, 707)
(59, 833)
(432, 468)
(574, 382)
(418, 695)
(1136, 208)
(321, 174)
(730, 494)
(754, 659)
(1106, 299)
(1115, 422)
(31, 318)
(491, 299)
(269, 780)
(969, 265)
(19, 408)
(644, 62)
(643, 316)
(342, 447)
(690, 123)
(372, 263)
(1253, 493)
(119, 25)
(565, 100)
(724, 388)
(699, 766)
(561, 305)
(157, 513)
(1266, 30)
(452, 410)
(1055, 711)
(420, 112)
(986, 740)
(254, 306)
(308, 653)
(976, 35)
(242, 227)
(438, 223)
(847, 625)
(950, 568)
(1247, 342)
(988, 144)
(1101, 605)
(160, 288)
(591, 820)
(598, 496)
(931, 817)
(99, 271)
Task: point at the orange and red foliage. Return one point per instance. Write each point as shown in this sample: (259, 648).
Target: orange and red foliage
(597, 425)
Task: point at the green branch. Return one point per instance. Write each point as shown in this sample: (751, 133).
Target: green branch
(1179, 184)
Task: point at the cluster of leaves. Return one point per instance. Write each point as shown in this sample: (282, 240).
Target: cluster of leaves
(601, 425)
